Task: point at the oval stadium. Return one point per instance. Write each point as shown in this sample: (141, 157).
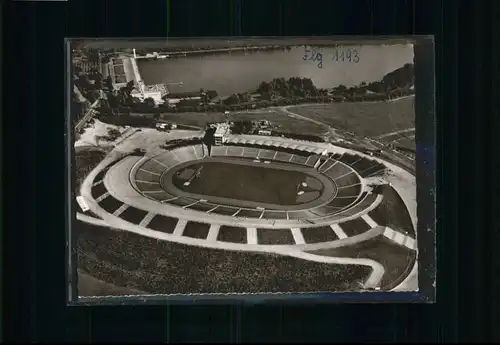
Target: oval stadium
(315, 203)
(243, 167)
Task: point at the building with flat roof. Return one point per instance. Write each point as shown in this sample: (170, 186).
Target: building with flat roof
(121, 72)
(221, 131)
(124, 70)
(185, 95)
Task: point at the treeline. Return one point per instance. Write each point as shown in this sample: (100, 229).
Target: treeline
(80, 103)
(173, 144)
(121, 102)
(401, 79)
(85, 162)
(243, 127)
(277, 92)
(148, 107)
(207, 49)
(78, 110)
(88, 80)
(87, 61)
(89, 85)
(290, 88)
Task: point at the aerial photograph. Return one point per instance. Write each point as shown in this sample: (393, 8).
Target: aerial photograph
(242, 166)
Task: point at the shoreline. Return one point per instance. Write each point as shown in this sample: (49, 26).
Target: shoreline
(179, 43)
(168, 54)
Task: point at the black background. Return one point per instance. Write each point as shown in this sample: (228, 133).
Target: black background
(34, 171)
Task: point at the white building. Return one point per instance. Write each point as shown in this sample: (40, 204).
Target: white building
(221, 131)
(128, 71)
(173, 101)
(156, 92)
(175, 97)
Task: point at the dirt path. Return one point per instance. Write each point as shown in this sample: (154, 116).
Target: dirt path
(395, 132)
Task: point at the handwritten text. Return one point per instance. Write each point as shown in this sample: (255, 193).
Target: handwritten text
(338, 55)
(313, 55)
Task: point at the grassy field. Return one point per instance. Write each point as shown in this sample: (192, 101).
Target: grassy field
(402, 140)
(363, 118)
(98, 190)
(282, 122)
(407, 143)
(275, 236)
(110, 204)
(128, 260)
(319, 234)
(133, 215)
(244, 182)
(90, 286)
(397, 260)
(392, 212)
(196, 230)
(355, 227)
(86, 159)
(232, 234)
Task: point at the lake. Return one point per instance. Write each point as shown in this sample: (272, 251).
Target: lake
(228, 73)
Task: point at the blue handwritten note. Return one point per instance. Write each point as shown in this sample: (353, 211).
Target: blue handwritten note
(347, 55)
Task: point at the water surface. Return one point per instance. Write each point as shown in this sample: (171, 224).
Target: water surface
(239, 72)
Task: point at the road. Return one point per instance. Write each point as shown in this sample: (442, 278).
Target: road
(88, 115)
(400, 158)
(297, 116)
(395, 132)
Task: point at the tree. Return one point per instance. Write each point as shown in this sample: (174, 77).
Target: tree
(242, 127)
(113, 133)
(108, 82)
(377, 87)
(211, 94)
(341, 88)
(130, 86)
(233, 99)
(93, 55)
(265, 96)
(149, 102)
(264, 87)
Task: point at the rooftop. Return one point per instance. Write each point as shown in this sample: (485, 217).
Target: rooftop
(222, 129)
